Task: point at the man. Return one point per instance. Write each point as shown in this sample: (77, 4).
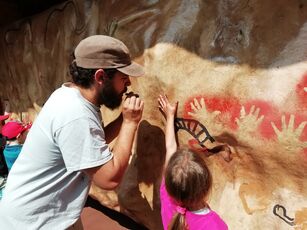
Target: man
(66, 147)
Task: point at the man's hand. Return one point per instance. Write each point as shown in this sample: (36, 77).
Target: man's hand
(132, 110)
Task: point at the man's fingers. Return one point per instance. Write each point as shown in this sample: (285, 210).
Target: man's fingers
(130, 94)
(140, 104)
(136, 104)
(126, 102)
(132, 101)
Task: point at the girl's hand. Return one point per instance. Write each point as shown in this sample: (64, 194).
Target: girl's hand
(169, 110)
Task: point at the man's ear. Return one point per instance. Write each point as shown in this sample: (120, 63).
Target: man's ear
(100, 76)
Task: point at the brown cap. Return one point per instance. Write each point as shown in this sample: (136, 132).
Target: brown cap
(100, 51)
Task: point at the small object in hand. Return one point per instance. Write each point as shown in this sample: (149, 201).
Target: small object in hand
(130, 94)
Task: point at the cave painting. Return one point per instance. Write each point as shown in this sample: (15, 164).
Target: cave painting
(300, 220)
(261, 119)
(195, 128)
(281, 212)
(231, 73)
(261, 122)
(208, 146)
(254, 113)
(257, 123)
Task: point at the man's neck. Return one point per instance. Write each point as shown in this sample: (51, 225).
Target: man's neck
(89, 94)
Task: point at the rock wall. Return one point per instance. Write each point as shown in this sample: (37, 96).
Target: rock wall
(239, 71)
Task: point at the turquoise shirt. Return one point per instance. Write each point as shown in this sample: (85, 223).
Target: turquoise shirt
(11, 153)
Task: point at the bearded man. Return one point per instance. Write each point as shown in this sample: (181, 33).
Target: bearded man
(67, 146)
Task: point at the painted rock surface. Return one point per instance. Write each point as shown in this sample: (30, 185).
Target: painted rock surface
(239, 71)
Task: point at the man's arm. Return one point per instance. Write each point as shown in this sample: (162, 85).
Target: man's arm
(108, 176)
(112, 129)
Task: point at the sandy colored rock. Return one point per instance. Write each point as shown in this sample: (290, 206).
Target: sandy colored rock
(237, 68)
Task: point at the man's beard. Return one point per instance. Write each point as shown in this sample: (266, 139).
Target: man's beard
(109, 97)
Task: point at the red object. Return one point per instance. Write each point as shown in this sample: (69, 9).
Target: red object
(13, 128)
(4, 117)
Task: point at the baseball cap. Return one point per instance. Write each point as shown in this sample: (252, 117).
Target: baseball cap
(13, 128)
(4, 117)
(100, 51)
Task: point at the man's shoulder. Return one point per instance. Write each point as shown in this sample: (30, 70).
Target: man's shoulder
(64, 106)
(64, 100)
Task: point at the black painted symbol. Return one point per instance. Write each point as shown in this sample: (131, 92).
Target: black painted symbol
(195, 128)
(278, 210)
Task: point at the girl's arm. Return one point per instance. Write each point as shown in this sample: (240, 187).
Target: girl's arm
(169, 111)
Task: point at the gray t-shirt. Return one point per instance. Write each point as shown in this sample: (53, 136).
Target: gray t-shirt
(46, 188)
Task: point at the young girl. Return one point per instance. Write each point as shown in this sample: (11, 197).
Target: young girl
(15, 133)
(186, 183)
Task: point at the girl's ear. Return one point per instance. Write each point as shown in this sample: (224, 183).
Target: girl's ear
(100, 75)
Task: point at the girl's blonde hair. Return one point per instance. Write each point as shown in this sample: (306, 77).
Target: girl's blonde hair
(188, 181)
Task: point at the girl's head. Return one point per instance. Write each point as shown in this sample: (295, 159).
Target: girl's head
(15, 130)
(188, 181)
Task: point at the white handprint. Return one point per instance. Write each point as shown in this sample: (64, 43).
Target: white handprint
(288, 135)
(200, 113)
(248, 123)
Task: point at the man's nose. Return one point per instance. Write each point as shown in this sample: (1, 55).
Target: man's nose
(128, 82)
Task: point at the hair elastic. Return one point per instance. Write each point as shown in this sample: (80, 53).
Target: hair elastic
(181, 210)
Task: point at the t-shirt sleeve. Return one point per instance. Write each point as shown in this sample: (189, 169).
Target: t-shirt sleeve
(82, 144)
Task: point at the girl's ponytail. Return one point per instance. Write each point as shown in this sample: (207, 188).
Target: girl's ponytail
(178, 221)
